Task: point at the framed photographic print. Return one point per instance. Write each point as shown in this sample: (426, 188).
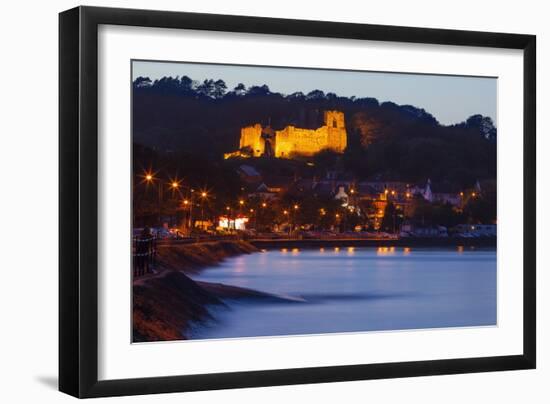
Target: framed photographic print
(251, 201)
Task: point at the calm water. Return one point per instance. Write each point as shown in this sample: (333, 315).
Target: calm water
(355, 289)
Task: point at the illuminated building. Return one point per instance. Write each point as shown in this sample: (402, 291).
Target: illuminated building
(285, 143)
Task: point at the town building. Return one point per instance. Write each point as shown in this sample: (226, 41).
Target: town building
(475, 230)
(249, 174)
(442, 193)
(410, 229)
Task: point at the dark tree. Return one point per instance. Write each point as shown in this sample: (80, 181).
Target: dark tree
(141, 82)
(315, 95)
(391, 222)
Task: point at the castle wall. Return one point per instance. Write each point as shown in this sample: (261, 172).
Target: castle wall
(251, 136)
(337, 139)
(307, 142)
(291, 140)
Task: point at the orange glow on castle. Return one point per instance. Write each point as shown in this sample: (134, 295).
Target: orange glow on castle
(257, 141)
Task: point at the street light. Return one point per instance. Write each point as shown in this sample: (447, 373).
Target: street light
(241, 204)
(285, 212)
(148, 176)
(203, 195)
(188, 214)
(149, 179)
(293, 219)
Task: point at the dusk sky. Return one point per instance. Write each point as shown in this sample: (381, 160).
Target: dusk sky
(450, 99)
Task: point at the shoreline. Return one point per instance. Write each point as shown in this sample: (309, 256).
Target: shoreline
(168, 302)
(402, 242)
(427, 242)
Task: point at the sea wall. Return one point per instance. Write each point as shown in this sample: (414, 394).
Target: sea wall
(191, 258)
(438, 242)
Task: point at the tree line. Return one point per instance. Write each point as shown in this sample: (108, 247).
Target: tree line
(398, 142)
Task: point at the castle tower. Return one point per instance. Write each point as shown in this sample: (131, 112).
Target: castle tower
(334, 119)
(336, 130)
(251, 136)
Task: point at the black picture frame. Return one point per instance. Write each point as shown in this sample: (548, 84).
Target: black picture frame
(78, 201)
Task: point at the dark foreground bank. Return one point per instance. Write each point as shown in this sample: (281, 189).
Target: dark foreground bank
(167, 303)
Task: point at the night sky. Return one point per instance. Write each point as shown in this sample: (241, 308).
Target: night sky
(450, 99)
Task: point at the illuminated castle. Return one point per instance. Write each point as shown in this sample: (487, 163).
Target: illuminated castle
(258, 141)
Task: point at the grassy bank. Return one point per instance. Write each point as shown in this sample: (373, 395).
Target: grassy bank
(167, 303)
(164, 307)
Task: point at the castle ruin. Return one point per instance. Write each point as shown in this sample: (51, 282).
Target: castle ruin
(294, 141)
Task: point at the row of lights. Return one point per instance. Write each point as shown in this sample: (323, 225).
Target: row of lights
(393, 193)
(408, 194)
(295, 207)
(175, 184)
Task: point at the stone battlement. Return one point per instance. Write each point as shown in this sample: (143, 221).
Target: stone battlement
(294, 141)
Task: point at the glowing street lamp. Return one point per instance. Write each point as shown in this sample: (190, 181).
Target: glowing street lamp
(187, 206)
(148, 176)
(264, 204)
(150, 179)
(203, 196)
(296, 207)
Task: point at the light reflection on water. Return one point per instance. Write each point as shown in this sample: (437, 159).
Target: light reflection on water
(356, 289)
